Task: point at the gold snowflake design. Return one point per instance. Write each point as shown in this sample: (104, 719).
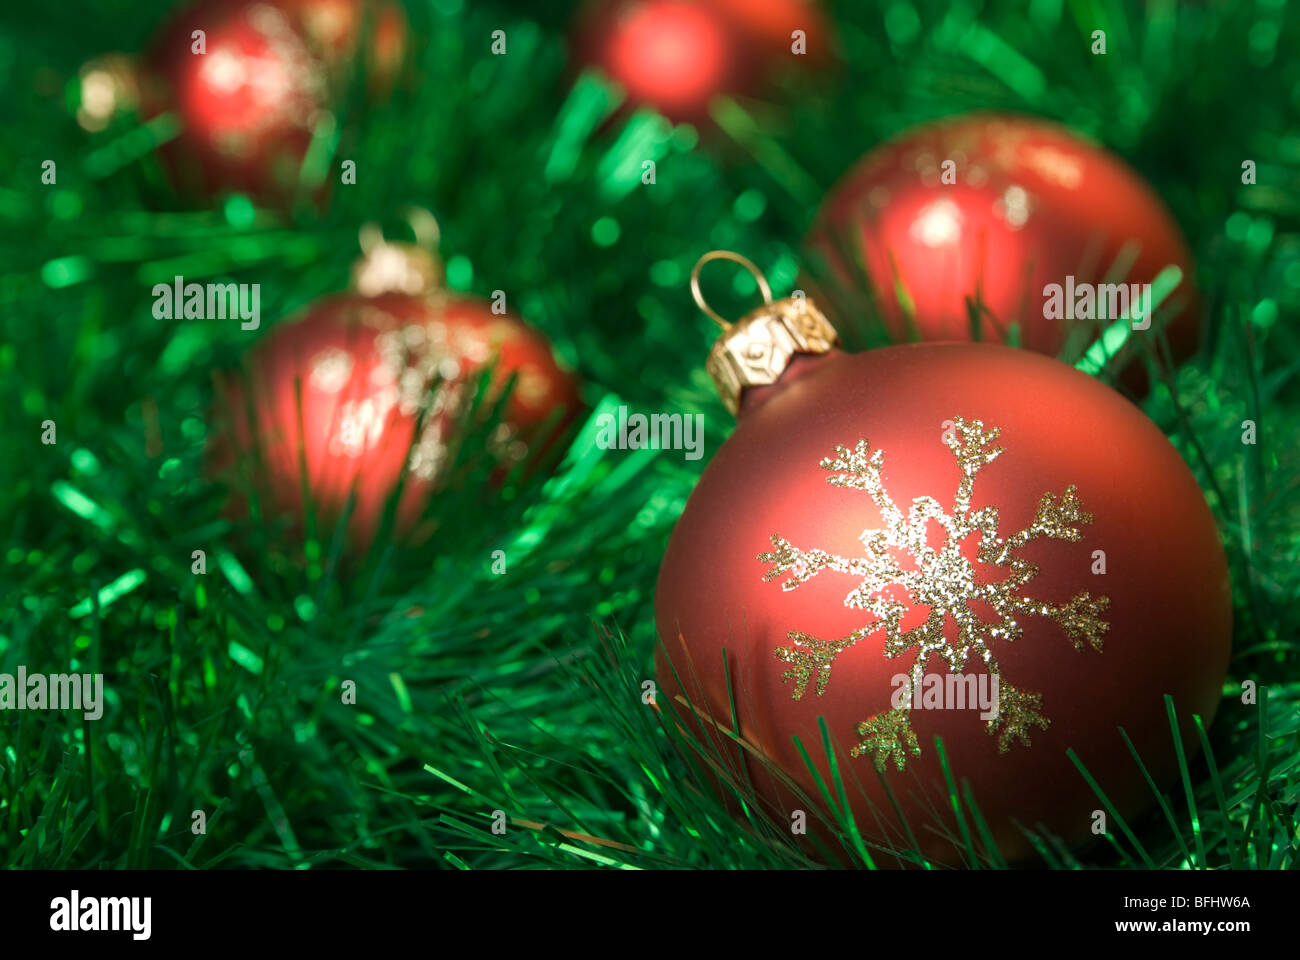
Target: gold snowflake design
(943, 580)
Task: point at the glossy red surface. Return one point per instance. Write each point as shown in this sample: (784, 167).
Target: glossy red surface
(249, 105)
(1169, 605)
(366, 365)
(1033, 203)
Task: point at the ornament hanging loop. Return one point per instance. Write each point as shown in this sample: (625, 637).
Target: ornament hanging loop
(734, 258)
(756, 350)
(388, 266)
(423, 224)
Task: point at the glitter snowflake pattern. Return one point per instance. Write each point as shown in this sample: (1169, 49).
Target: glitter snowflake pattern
(942, 579)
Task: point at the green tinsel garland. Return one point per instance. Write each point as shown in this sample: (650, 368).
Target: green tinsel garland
(521, 692)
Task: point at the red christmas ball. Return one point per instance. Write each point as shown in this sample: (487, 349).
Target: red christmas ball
(247, 104)
(771, 26)
(1000, 207)
(250, 91)
(898, 542)
(367, 366)
(677, 55)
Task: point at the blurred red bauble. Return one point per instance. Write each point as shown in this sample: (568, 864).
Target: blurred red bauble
(1023, 204)
(249, 104)
(368, 363)
(770, 26)
(904, 514)
(677, 55)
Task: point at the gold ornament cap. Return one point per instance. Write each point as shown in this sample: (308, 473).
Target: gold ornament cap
(389, 267)
(108, 86)
(756, 349)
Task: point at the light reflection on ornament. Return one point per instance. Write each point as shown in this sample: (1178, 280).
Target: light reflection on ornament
(1055, 165)
(223, 71)
(938, 224)
(330, 370)
(1013, 207)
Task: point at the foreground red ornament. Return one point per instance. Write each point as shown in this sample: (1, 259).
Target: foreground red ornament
(249, 82)
(963, 541)
(677, 55)
(998, 207)
(368, 363)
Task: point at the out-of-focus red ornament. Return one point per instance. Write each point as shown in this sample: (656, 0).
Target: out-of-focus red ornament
(677, 55)
(369, 362)
(250, 92)
(998, 207)
(771, 27)
(887, 532)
